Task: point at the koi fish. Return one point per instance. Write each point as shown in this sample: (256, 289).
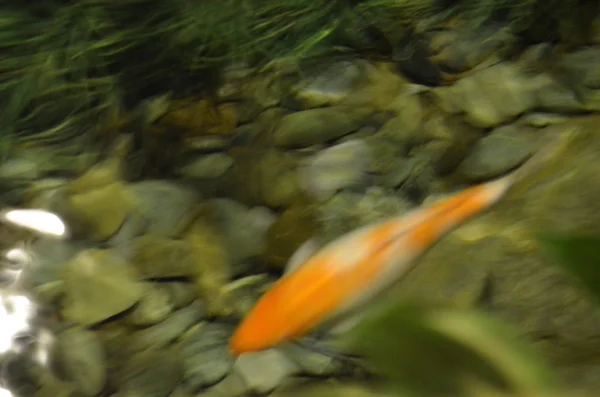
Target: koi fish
(352, 270)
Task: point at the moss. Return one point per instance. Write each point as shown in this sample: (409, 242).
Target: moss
(69, 66)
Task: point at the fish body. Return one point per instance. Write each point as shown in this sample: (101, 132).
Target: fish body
(353, 269)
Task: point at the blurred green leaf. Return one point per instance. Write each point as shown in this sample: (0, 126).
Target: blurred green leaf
(447, 352)
(578, 255)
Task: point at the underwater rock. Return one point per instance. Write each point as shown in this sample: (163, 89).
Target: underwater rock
(332, 389)
(403, 129)
(259, 129)
(553, 96)
(262, 176)
(156, 257)
(165, 332)
(100, 175)
(19, 169)
(243, 230)
(82, 358)
(98, 285)
(448, 141)
(309, 362)
(167, 207)
(401, 170)
(243, 293)
(461, 50)
(213, 268)
(348, 211)
(180, 293)
(201, 117)
(103, 210)
(338, 167)
(294, 226)
(271, 86)
(151, 373)
(153, 307)
(205, 355)
(207, 166)
(134, 225)
(313, 126)
(54, 387)
(330, 86)
(362, 133)
(383, 154)
(50, 255)
(501, 151)
(491, 96)
(540, 120)
(206, 144)
(580, 67)
(262, 372)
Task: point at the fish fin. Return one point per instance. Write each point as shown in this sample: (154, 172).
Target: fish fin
(302, 254)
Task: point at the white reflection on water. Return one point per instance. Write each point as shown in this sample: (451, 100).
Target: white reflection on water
(5, 392)
(41, 221)
(16, 313)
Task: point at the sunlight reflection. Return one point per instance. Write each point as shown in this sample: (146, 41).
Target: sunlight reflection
(5, 392)
(15, 314)
(38, 220)
(18, 256)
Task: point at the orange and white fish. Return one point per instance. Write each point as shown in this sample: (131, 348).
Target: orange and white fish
(350, 271)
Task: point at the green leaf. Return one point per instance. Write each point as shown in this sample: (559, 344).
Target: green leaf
(447, 352)
(578, 255)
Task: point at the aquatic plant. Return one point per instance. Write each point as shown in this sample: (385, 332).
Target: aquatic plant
(69, 67)
(423, 349)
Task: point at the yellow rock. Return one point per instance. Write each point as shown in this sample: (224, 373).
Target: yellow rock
(102, 210)
(213, 271)
(100, 175)
(202, 117)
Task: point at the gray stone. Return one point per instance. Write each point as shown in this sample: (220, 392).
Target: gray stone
(403, 129)
(19, 169)
(157, 257)
(311, 362)
(206, 357)
(83, 360)
(263, 371)
(244, 231)
(50, 255)
(501, 151)
(540, 120)
(180, 293)
(491, 96)
(341, 166)
(461, 50)
(152, 373)
(102, 210)
(206, 144)
(580, 67)
(98, 285)
(154, 306)
(207, 166)
(313, 126)
(171, 328)
(167, 207)
(347, 211)
(330, 86)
